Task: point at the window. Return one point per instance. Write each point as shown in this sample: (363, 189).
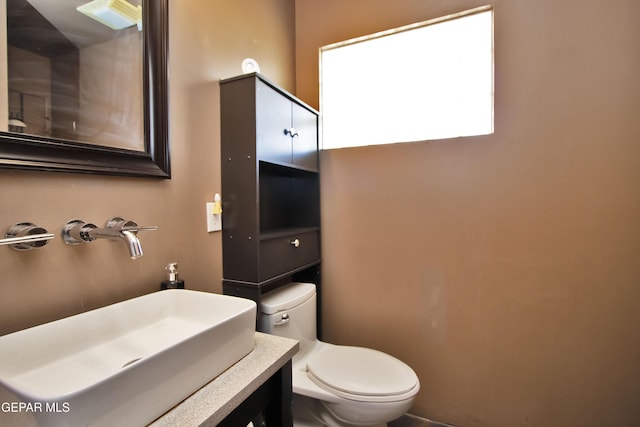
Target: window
(430, 80)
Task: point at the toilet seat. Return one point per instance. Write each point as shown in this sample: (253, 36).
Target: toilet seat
(362, 374)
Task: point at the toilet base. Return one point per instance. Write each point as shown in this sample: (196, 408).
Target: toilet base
(308, 412)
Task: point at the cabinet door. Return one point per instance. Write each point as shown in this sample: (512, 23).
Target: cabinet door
(305, 141)
(273, 117)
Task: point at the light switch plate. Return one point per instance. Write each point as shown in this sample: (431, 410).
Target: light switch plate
(214, 221)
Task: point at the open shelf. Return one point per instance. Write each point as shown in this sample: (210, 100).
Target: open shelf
(289, 198)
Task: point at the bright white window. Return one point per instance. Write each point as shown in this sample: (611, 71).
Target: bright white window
(430, 80)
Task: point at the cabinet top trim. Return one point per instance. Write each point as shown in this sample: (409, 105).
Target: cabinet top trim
(273, 85)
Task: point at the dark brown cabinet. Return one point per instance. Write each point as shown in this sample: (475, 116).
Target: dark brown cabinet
(287, 132)
(270, 187)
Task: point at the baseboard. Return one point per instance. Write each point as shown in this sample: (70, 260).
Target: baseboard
(409, 420)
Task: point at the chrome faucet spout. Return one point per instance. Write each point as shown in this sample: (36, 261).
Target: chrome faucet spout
(128, 236)
(135, 248)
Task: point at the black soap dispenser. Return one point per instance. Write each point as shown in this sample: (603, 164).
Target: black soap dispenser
(173, 282)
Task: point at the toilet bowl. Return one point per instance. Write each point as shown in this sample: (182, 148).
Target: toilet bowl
(334, 385)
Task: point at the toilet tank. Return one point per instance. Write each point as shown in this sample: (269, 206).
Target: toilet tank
(290, 311)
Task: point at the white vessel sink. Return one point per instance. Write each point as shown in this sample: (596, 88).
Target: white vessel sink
(125, 364)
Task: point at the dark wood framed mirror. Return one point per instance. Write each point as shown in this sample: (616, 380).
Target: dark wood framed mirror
(51, 153)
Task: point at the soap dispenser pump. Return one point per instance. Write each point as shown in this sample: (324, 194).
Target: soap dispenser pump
(173, 282)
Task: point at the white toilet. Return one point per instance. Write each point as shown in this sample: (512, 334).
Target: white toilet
(334, 385)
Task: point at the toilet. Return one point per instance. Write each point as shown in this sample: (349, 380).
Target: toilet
(335, 385)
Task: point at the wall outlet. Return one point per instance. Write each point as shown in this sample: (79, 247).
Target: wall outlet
(214, 221)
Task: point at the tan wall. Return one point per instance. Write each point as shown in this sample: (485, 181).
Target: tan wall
(505, 269)
(208, 41)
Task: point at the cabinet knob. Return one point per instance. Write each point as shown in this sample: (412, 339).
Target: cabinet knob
(295, 243)
(291, 132)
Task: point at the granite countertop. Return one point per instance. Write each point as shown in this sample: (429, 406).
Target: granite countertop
(213, 402)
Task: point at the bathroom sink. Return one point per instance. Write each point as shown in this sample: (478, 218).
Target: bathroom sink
(123, 364)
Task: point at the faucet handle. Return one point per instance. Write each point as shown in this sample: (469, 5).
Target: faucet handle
(24, 236)
(140, 228)
(122, 224)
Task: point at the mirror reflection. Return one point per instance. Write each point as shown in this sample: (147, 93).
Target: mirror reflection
(74, 71)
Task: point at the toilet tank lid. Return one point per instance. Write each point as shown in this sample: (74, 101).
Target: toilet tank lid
(286, 297)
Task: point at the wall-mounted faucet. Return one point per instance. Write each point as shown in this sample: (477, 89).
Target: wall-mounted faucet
(76, 232)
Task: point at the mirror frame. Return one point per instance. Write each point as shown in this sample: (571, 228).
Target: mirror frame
(23, 151)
